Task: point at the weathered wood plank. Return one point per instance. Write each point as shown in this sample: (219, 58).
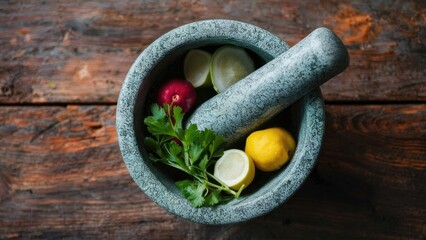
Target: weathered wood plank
(80, 51)
(61, 176)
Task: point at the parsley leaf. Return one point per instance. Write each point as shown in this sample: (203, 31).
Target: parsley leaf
(193, 191)
(213, 198)
(195, 152)
(159, 126)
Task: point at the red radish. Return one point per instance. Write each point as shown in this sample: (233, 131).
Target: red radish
(179, 92)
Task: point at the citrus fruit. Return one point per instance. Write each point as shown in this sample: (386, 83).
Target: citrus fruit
(228, 65)
(270, 148)
(234, 169)
(196, 67)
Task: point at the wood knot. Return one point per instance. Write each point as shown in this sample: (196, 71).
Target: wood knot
(6, 89)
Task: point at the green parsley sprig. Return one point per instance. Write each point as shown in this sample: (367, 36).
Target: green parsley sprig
(189, 150)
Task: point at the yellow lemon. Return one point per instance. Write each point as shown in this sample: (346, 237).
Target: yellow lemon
(234, 169)
(270, 149)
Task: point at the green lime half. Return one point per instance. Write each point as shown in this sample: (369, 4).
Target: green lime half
(229, 64)
(196, 68)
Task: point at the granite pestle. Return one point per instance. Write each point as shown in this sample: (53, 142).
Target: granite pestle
(250, 102)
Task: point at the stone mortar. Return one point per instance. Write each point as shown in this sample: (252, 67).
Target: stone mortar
(147, 72)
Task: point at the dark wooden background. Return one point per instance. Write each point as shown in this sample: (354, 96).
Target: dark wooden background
(62, 64)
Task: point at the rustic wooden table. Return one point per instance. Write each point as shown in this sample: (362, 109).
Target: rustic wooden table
(61, 68)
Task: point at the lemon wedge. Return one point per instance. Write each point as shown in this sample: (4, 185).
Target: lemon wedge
(196, 68)
(234, 169)
(229, 64)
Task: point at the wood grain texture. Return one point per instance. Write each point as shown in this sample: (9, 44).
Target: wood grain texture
(61, 173)
(61, 176)
(79, 51)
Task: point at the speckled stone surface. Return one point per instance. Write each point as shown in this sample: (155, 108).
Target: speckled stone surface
(252, 101)
(308, 113)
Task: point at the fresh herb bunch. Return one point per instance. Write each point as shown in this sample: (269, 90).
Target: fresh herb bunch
(189, 150)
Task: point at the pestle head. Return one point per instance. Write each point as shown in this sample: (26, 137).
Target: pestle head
(252, 101)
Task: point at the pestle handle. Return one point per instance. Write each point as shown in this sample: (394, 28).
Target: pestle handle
(250, 102)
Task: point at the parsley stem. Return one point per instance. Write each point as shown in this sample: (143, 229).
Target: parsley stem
(186, 154)
(224, 186)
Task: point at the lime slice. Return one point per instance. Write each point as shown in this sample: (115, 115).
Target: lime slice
(234, 169)
(196, 68)
(229, 65)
